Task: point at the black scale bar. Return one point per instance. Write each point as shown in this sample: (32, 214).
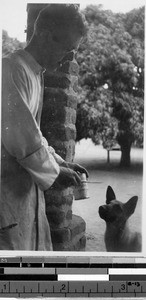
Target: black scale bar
(100, 266)
(76, 265)
(123, 266)
(28, 277)
(127, 277)
(9, 265)
(143, 266)
(130, 266)
(31, 265)
(55, 265)
(72, 265)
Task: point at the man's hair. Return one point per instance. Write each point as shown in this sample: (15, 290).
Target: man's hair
(56, 17)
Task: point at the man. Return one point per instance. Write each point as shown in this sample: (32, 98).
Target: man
(29, 165)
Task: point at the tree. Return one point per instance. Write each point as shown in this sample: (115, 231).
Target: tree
(111, 76)
(94, 119)
(10, 44)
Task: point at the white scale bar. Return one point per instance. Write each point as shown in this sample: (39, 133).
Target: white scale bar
(33, 271)
(127, 271)
(82, 277)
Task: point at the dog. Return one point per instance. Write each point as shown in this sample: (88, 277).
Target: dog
(118, 237)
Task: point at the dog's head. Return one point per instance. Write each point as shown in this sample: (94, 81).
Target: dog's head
(115, 211)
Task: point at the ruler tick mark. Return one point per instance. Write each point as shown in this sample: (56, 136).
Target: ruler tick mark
(112, 292)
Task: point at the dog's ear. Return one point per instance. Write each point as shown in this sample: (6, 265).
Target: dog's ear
(130, 206)
(110, 195)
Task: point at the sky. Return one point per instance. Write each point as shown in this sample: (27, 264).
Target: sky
(14, 16)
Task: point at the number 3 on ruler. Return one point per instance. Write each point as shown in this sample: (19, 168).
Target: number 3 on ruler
(123, 287)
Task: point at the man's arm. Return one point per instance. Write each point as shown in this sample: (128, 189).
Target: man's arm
(23, 139)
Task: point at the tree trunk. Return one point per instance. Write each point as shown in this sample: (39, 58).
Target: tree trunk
(125, 140)
(125, 155)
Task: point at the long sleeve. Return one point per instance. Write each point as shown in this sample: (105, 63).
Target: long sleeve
(21, 135)
(57, 157)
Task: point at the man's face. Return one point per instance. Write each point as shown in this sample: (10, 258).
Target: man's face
(59, 46)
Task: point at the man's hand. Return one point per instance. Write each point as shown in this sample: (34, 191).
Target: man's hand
(77, 168)
(66, 178)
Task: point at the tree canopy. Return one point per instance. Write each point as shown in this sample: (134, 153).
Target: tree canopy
(111, 59)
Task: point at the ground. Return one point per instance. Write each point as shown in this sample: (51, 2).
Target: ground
(126, 183)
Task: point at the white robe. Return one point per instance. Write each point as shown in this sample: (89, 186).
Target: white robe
(29, 165)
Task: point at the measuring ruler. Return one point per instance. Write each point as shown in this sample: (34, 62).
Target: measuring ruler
(72, 277)
(20, 289)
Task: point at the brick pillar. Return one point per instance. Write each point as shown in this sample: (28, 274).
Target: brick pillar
(58, 127)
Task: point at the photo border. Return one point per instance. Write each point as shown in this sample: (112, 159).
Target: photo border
(6, 253)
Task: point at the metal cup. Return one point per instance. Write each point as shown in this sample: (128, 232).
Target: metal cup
(81, 191)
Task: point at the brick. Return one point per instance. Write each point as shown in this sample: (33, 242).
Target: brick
(75, 244)
(60, 132)
(65, 211)
(66, 149)
(61, 235)
(55, 216)
(75, 86)
(59, 216)
(78, 225)
(64, 115)
(62, 208)
(77, 240)
(68, 210)
(64, 224)
(57, 80)
(63, 246)
(69, 132)
(70, 67)
(54, 193)
(55, 197)
(72, 100)
(83, 242)
(69, 215)
(59, 97)
(70, 115)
